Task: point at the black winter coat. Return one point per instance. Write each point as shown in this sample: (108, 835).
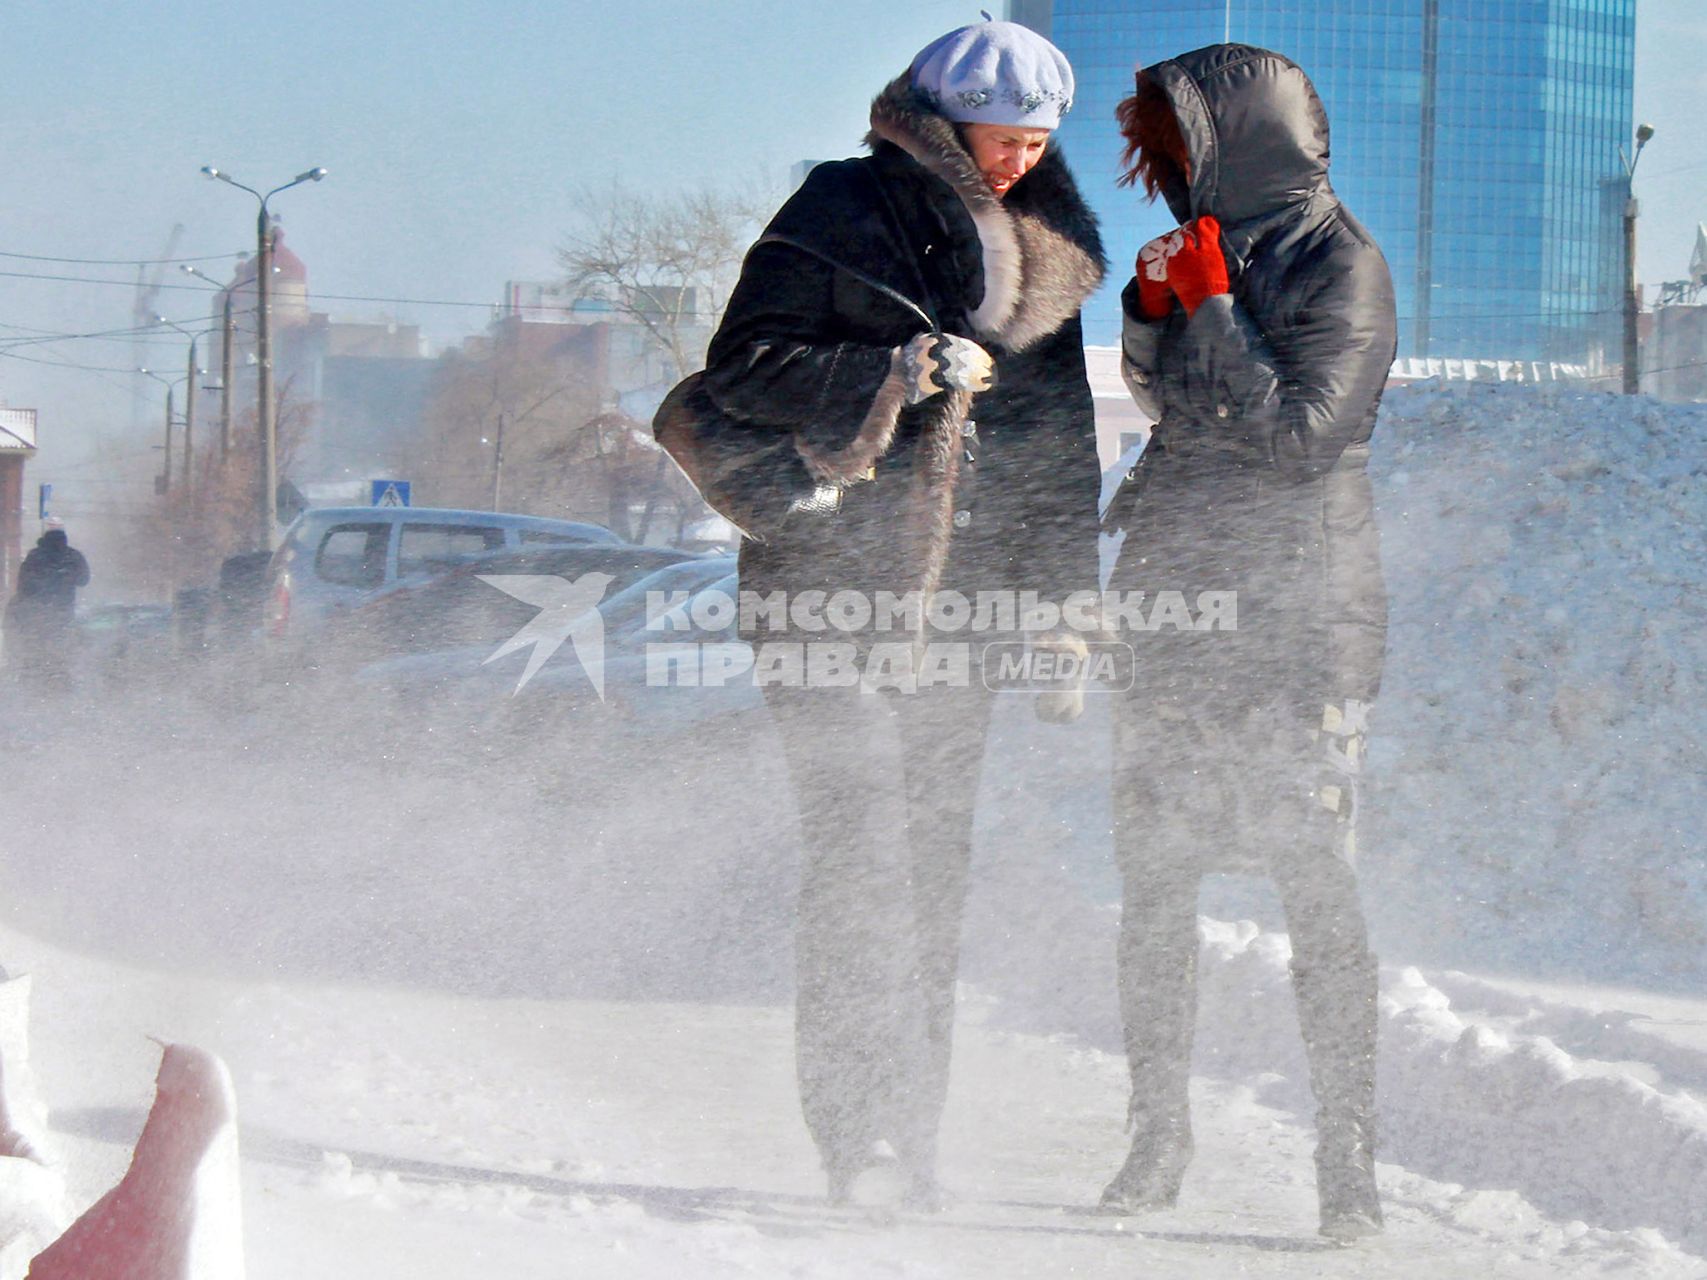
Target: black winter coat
(1255, 479)
(961, 493)
(50, 575)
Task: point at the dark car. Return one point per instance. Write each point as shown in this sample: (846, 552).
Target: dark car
(464, 607)
(489, 676)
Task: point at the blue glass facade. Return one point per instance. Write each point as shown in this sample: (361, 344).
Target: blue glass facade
(1477, 139)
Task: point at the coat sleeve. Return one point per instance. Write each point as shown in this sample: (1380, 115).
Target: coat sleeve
(1333, 360)
(1140, 353)
(1214, 370)
(1303, 392)
(797, 349)
(1057, 493)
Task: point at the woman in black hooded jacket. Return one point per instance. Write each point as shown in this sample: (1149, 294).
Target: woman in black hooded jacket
(1259, 337)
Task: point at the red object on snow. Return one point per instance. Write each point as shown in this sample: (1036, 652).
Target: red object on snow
(177, 1212)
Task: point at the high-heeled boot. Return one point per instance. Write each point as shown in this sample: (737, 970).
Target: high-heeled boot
(1154, 1169)
(1338, 1015)
(1158, 981)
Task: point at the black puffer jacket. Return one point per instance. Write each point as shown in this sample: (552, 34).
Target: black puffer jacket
(49, 577)
(1265, 399)
(967, 494)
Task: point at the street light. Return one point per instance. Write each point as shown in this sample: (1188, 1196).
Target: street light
(226, 334)
(189, 392)
(269, 496)
(1632, 299)
(163, 481)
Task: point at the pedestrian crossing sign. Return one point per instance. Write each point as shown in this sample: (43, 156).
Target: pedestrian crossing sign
(390, 493)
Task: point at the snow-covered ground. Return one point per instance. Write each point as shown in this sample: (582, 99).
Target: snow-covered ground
(391, 1132)
(517, 1008)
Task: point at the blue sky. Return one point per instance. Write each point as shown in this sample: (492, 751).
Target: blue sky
(457, 134)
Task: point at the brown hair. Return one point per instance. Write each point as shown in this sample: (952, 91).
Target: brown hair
(1155, 148)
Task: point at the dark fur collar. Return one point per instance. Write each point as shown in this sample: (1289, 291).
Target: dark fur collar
(1042, 255)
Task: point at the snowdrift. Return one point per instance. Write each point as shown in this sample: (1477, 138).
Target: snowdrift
(1469, 1098)
(1538, 760)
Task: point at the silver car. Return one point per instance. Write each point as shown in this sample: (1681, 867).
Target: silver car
(335, 558)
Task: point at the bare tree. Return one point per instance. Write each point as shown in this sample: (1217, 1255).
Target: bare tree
(663, 262)
(493, 415)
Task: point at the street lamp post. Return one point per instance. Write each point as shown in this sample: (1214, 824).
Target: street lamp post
(269, 496)
(163, 481)
(225, 338)
(1632, 295)
(191, 375)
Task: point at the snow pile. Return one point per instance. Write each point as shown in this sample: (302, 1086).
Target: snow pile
(1473, 1104)
(1538, 766)
(1467, 1101)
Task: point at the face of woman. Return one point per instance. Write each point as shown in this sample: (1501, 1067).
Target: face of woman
(1004, 153)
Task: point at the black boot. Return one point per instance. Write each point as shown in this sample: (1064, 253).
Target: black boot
(1338, 1016)
(1158, 998)
(924, 1194)
(1345, 1177)
(840, 1178)
(1154, 1168)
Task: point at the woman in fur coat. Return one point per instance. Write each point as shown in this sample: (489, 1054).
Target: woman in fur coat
(909, 319)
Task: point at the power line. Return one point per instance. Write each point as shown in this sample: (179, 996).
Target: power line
(159, 328)
(120, 262)
(12, 344)
(65, 364)
(1438, 318)
(329, 297)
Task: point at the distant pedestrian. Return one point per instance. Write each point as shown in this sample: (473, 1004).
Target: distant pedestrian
(41, 618)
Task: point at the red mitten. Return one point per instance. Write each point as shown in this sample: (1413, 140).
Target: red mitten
(1197, 270)
(1151, 269)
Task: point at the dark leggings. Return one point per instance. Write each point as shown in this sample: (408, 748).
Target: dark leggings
(1198, 795)
(885, 786)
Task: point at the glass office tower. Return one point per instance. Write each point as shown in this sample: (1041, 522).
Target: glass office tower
(1476, 139)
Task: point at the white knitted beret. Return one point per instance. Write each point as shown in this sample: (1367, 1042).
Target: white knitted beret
(995, 73)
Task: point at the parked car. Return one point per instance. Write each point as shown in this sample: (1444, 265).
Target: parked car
(465, 684)
(461, 608)
(119, 645)
(335, 558)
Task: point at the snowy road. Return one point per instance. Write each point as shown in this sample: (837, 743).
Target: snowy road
(397, 1133)
(475, 1033)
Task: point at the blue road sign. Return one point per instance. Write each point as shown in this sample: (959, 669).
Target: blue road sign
(46, 502)
(390, 493)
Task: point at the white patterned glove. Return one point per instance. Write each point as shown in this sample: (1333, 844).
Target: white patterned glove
(1064, 704)
(936, 362)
